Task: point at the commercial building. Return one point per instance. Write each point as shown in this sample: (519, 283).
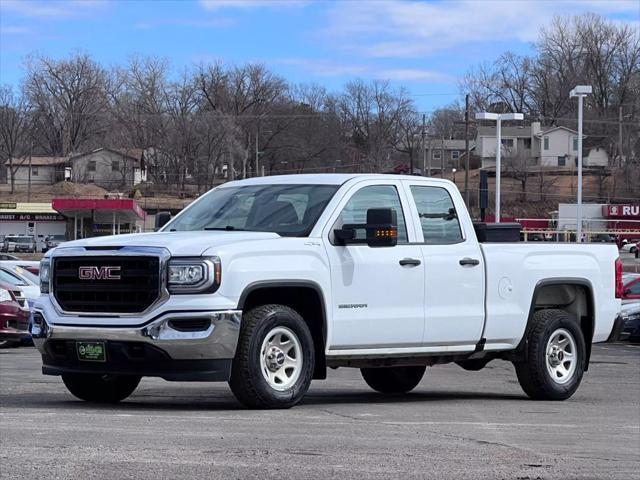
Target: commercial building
(34, 219)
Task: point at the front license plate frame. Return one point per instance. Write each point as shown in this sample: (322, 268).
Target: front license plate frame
(93, 351)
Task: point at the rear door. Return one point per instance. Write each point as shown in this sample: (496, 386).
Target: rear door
(454, 266)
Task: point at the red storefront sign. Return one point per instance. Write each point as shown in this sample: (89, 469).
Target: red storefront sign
(629, 212)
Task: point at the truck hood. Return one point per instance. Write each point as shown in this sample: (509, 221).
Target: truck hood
(178, 243)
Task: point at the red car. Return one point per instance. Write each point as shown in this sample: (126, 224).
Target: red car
(14, 319)
(631, 286)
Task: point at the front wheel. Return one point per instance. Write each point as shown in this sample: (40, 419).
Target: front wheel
(555, 357)
(274, 361)
(98, 388)
(393, 379)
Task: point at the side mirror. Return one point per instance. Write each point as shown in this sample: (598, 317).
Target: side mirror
(162, 218)
(382, 227)
(381, 230)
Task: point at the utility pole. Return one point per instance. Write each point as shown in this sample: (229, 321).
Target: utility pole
(620, 134)
(257, 155)
(466, 149)
(424, 144)
(29, 184)
(442, 157)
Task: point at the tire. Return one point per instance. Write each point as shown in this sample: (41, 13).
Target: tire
(272, 337)
(9, 344)
(98, 388)
(633, 250)
(393, 379)
(541, 373)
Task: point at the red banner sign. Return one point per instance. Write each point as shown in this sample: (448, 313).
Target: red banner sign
(621, 211)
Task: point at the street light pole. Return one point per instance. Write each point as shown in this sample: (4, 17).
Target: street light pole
(580, 91)
(498, 117)
(498, 166)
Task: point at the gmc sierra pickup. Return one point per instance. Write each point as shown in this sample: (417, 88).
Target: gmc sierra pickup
(267, 282)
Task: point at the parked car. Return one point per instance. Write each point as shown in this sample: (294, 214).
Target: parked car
(23, 279)
(630, 314)
(52, 241)
(535, 237)
(6, 256)
(603, 238)
(630, 287)
(29, 265)
(25, 244)
(631, 247)
(14, 318)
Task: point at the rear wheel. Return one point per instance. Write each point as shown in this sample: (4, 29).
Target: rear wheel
(98, 388)
(9, 343)
(556, 357)
(274, 361)
(393, 379)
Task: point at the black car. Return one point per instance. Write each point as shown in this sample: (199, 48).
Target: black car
(631, 317)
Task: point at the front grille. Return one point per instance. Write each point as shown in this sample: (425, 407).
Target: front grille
(137, 288)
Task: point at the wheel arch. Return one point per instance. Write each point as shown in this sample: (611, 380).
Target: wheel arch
(571, 295)
(305, 297)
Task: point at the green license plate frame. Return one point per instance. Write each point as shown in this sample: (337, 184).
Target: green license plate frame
(91, 351)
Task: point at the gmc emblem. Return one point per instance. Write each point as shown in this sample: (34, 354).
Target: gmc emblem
(99, 273)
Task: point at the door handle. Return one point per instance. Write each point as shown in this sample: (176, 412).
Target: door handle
(412, 262)
(469, 261)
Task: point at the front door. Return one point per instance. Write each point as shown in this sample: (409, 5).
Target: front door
(378, 293)
(454, 266)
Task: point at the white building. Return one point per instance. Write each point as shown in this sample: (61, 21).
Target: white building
(543, 146)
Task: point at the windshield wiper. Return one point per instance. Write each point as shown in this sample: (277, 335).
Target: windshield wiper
(228, 228)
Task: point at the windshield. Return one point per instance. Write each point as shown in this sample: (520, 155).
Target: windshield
(15, 280)
(19, 239)
(288, 210)
(29, 276)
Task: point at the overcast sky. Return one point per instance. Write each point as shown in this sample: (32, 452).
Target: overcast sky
(423, 45)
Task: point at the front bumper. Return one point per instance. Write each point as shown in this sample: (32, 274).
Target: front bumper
(14, 326)
(161, 347)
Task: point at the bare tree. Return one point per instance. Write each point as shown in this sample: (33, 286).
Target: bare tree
(69, 102)
(14, 130)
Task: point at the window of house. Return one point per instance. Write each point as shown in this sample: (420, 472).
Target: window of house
(34, 171)
(575, 144)
(507, 142)
(546, 143)
(437, 155)
(562, 161)
(527, 143)
(374, 196)
(455, 155)
(91, 166)
(438, 217)
(115, 166)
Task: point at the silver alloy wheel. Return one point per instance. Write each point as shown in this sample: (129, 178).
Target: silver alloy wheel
(281, 358)
(561, 356)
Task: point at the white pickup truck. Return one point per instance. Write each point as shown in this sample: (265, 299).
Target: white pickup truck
(266, 282)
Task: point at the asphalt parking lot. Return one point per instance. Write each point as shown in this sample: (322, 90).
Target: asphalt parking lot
(456, 424)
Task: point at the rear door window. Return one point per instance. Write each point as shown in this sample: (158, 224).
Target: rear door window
(438, 216)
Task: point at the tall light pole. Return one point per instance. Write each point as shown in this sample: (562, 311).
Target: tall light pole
(580, 91)
(498, 117)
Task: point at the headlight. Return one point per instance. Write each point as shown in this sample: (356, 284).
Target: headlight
(5, 295)
(193, 275)
(45, 275)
